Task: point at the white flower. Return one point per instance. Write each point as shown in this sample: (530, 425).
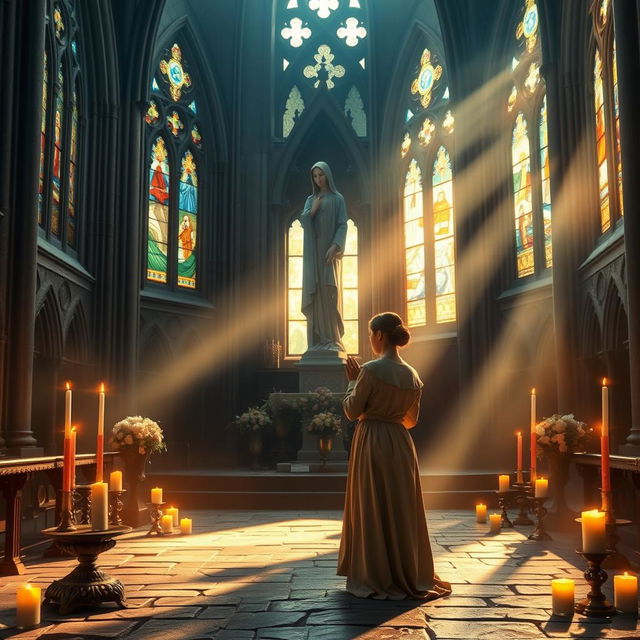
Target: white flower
(128, 440)
(540, 430)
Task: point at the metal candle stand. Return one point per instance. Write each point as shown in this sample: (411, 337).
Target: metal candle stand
(615, 559)
(540, 510)
(503, 503)
(116, 505)
(595, 605)
(67, 515)
(155, 513)
(523, 500)
(83, 492)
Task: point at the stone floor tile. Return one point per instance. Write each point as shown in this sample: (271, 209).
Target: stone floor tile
(378, 614)
(366, 633)
(456, 630)
(263, 619)
(88, 629)
(170, 630)
(586, 629)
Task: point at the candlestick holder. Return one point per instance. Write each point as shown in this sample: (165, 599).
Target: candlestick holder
(155, 513)
(116, 504)
(541, 511)
(67, 517)
(595, 605)
(83, 491)
(503, 503)
(523, 499)
(607, 506)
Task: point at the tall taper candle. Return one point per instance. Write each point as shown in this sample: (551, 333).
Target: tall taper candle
(72, 460)
(604, 439)
(67, 411)
(533, 435)
(100, 440)
(519, 457)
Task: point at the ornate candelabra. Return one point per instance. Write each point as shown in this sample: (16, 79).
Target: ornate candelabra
(615, 559)
(84, 503)
(523, 500)
(595, 605)
(503, 503)
(155, 513)
(67, 516)
(540, 510)
(116, 504)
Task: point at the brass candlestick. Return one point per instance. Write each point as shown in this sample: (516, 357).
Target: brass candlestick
(523, 500)
(84, 503)
(155, 513)
(505, 523)
(67, 517)
(116, 504)
(595, 605)
(540, 510)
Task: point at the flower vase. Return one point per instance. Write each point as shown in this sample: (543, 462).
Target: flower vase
(255, 449)
(325, 444)
(558, 464)
(134, 466)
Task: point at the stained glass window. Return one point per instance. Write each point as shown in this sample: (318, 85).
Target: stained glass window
(43, 134)
(187, 214)
(601, 145)
(293, 110)
(414, 246)
(56, 173)
(523, 207)
(296, 321)
(616, 106)
(443, 234)
(73, 169)
(546, 183)
(158, 221)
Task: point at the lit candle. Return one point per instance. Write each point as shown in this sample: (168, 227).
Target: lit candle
(519, 457)
(604, 439)
(542, 487)
(481, 513)
(495, 522)
(115, 481)
(99, 506)
(100, 440)
(504, 483)
(173, 511)
(593, 532)
(27, 606)
(562, 597)
(533, 435)
(67, 411)
(156, 495)
(186, 526)
(166, 523)
(625, 593)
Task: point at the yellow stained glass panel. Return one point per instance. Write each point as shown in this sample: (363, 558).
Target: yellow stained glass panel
(350, 304)
(416, 313)
(297, 338)
(295, 272)
(295, 303)
(296, 238)
(350, 272)
(350, 338)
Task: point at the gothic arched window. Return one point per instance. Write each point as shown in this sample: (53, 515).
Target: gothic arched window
(175, 158)
(607, 116)
(429, 223)
(321, 44)
(296, 321)
(527, 104)
(60, 133)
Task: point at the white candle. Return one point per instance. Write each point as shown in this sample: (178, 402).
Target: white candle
(562, 596)
(186, 526)
(481, 513)
(519, 457)
(495, 523)
(99, 506)
(594, 538)
(542, 487)
(504, 483)
(156, 495)
(166, 523)
(173, 511)
(67, 411)
(27, 606)
(100, 438)
(625, 593)
(115, 481)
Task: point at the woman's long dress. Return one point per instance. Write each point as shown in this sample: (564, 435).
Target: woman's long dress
(385, 550)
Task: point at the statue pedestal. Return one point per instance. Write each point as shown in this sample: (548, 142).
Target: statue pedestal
(322, 368)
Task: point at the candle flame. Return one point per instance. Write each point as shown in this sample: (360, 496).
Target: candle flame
(68, 386)
(73, 429)
(518, 433)
(604, 382)
(102, 387)
(625, 573)
(533, 391)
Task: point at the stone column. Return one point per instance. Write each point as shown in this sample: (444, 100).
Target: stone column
(24, 229)
(626, 31)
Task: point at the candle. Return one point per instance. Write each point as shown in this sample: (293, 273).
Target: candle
(533, 435)
(27, 606)
(173, 511)
(166, 523)
(503, 483)
(495, 522)
(115, 481)
(562, 597)
(72, 466)
(542, 487)
(67, 411)
(519, 457)
(481, 513)
(625, 593)
(100, 439)
(593, 531)
(156, 495)
(99, 506)
(186, 526)
(604, 439)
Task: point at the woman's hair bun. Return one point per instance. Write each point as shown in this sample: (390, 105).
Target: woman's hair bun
(391, 325)
(399, 335)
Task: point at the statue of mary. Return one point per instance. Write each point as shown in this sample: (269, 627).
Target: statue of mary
(324, 220)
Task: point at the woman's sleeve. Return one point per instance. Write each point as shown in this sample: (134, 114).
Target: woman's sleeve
(357, 395)
(305, 216)
(411, 417)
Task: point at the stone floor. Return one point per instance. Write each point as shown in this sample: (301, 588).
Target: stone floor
(270, 575)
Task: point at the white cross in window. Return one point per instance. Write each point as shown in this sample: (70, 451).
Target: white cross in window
(323, 7)
(352, 32)
(296, 32)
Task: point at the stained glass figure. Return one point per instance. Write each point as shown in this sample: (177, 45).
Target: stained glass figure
(158, 218)
(601, 145)
(443, 235)
(174, 124)
(152, 116)
(43, 135)
(292, 110)
(187, 222)
(196, 138)
(295, 33)
(57, 154)
(426, 132)
(354, 109)
(414, 247)
(324, 60)
(521, 158)
(352, 32)
(546, 183)
(178, 79)
(616, 107)
(73, 169)
(426, 80)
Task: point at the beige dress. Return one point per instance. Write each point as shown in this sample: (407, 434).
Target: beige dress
(384, 549)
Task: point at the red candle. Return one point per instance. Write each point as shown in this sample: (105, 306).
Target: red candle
(519, 457)
(604, 439)
(72, 464)
(533, 435)
(100, 440)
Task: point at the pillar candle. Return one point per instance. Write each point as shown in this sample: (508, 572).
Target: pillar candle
(156, 495)
(604, 439)
(593, 531)
(562, 597)
(481, 513)
(503, 483)
(115, 481)
(100, 438)
(99, 506)
(542, 487)
(166, 523)
(67, 411)
(27, 606)
(186, 526)
(533, 435)
(519, 457)
(495, 523)
(173, 511)
(625, 593)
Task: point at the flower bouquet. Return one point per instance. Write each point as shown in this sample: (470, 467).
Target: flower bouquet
(253, 421)
(143, 434)
(325, 424)
(559, 434)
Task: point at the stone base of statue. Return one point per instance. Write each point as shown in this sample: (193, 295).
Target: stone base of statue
(322, 368)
